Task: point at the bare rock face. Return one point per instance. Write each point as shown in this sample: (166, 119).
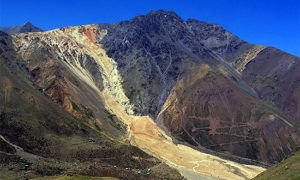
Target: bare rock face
(215, 37)
(147, 58)
(207, 110)
(224, 111)
(203, 84)
(153, 50)
(266, 69)
(275, 75)
(52, 112)
(65, 68)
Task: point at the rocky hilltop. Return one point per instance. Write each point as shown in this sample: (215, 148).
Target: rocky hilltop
(152, 90)
(24, 28)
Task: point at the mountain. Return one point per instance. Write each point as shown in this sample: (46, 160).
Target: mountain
(156, 92)
(39, 138)
(24, 28)
(214, 86)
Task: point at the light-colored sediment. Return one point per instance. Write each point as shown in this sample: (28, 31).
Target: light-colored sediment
(248, 56)
(145, 133)
(142, 130)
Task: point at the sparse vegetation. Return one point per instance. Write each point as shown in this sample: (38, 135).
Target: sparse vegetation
(288, 169)
(64, 111)
(74, 177)
(115, 122)
(82, 109)
(54, 142)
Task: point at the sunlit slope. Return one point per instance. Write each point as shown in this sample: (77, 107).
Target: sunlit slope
(68, 66)
(206, 109)
(192, 164)
(84, 74)
(288, 169)
(36, 93)
(142, 131)
(155, 51)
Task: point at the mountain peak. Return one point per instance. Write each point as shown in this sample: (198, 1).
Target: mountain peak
(162, 12)
(24, 28)
(158, 16)
(165, 15)
(27, 24)
(28, 27)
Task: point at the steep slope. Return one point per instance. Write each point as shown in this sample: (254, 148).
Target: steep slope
(275, 75)
(71, 69)
(131, 81)
(37, 133)
(204, 109)
(144, 52)
(157, 49)
(24, 28)
(287, 169)
(266, 69)
(217, 39)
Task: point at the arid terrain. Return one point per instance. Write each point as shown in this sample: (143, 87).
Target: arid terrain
(155, 97)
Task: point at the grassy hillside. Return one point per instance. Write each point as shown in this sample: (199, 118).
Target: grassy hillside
(74, 177)
(287, 169)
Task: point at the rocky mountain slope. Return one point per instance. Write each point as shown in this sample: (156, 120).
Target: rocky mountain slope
(39, 138)
(24, 28)
(161, 52)
(146, 84)
(204, 109)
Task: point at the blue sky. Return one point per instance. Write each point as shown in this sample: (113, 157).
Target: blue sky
(266, 22)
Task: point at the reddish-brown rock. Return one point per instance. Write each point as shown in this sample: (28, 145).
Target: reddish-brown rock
(210, 111)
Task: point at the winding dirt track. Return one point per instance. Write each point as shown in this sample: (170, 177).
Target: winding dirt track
(144, 133)
(188, 161)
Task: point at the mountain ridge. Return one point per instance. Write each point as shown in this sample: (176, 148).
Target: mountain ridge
(24, 28)
(196, 76)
